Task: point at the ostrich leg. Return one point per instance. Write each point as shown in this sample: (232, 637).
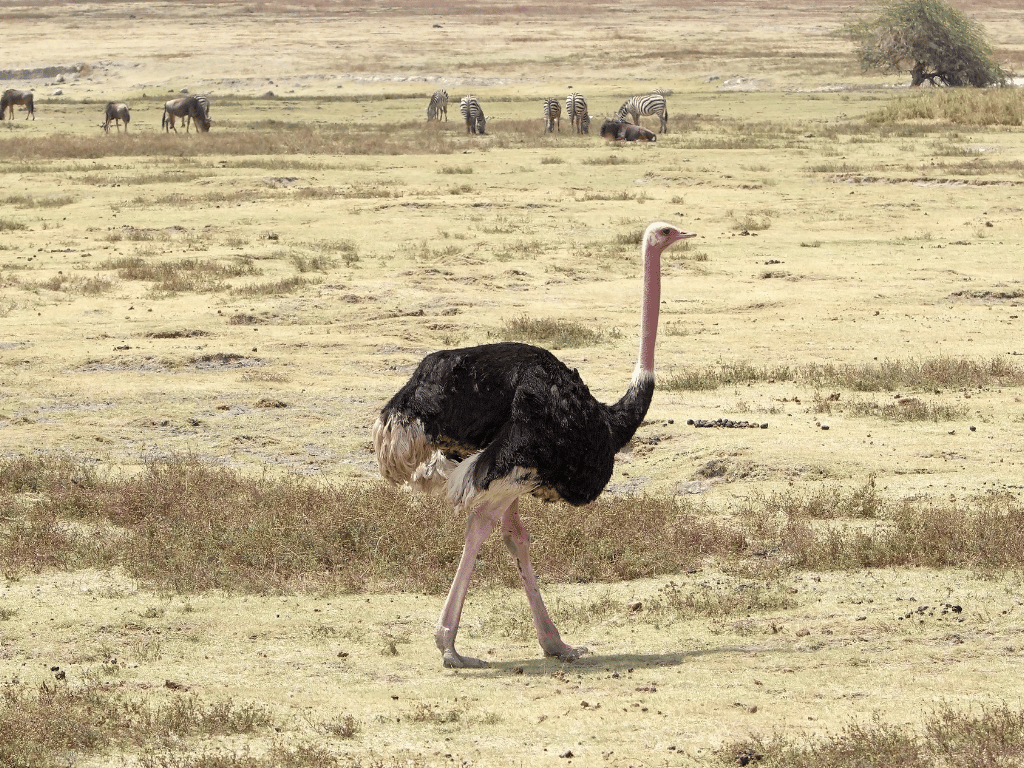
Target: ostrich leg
(517, 539)
(479, 526)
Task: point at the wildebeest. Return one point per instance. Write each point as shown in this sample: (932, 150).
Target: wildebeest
(204, 102)
(614, 130)
(12, 97)
(186, 105)
(117, 112)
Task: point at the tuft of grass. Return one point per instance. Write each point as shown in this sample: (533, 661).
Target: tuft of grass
(754, 221)
(39, 725)
(989, 739)
(317, 263)
(942, 373)
(554, 333)
(276, 288)
(34, 201)
(180, 276)
(960, 106)
(711, 377)
(900, 409)
(612, 159)
(10, 225)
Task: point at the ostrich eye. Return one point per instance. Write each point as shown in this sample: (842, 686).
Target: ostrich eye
(666, 231)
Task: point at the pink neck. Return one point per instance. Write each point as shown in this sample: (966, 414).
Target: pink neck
(649, 313)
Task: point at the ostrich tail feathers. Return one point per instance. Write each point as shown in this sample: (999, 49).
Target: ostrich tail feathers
(406, 457)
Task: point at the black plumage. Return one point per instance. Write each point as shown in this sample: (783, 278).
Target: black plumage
(522, 407)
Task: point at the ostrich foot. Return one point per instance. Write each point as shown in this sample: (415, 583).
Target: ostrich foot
(452, 660)
(566, 652)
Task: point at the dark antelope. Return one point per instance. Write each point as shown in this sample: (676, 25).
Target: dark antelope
(12, 97)
(117, 112)
(614, 130)
(204, 102)
(186, 106)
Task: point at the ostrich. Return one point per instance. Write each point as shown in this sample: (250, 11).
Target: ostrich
(486, 424)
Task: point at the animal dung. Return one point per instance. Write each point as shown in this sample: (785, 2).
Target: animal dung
(728, 423)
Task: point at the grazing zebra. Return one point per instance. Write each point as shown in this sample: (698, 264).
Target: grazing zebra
(117, 113)
(204, 102)
(12, 97)
(552, 115)
(438, 104)
(576, 111)
(187, 105)
(473, 113)
(651, 104)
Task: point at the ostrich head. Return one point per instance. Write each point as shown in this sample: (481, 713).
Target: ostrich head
(660, 236)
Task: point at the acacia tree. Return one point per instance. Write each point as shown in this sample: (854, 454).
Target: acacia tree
(931, 39)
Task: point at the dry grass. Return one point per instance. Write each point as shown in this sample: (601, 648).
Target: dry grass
(551, 332)
(189, 527)
(961, 106)
(38, 726)
(937, 373)
(993, 738)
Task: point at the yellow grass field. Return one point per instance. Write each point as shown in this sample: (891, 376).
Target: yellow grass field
(323, 237)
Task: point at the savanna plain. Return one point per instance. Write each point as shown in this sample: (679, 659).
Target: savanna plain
(201, 565)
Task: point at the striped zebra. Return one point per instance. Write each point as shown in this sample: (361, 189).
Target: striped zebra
(473, 114)
(438, 105)
(185, 106)
(651, 104)
(576, 111)
(117, 113)
(552, 115)
(204, 102)
(11, 97)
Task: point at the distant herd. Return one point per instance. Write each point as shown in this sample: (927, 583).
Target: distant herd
(612, 129)
(195, 110)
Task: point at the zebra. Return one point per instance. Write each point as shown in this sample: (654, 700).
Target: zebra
(187, 105)
(118, 113)
(552, 115)
(438, 104)
(204, 102)
(11, 97)
(576, 111)
(473, 113)
(651, 104)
